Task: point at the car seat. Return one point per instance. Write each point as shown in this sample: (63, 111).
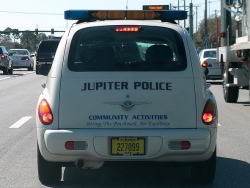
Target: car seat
(159, 53)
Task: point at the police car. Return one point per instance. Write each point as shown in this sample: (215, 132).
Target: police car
(125, 86)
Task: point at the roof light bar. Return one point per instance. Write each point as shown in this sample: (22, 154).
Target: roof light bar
(92, 15)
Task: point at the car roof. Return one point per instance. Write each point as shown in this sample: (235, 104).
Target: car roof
(128, 22)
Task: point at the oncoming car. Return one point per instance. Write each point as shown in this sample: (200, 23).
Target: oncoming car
(22, 58)
(208, 59)
(127, 88)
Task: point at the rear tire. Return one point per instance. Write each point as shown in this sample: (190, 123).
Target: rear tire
(10, 71)
(30, 68)
(204, 172)
(231, 94)
(5, 70)
(48, 172)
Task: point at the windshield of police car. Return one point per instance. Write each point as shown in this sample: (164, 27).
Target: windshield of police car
(148, 49)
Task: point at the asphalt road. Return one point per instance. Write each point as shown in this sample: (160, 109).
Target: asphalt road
(18, 168)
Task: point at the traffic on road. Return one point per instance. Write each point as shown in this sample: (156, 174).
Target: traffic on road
(122, 99)
(18, 100)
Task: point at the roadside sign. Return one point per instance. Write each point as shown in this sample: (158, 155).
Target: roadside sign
(155, 7)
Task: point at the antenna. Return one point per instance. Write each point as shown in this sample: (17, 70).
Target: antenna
(127, 5)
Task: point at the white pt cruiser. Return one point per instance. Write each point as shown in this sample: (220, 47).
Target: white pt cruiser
(127, 88)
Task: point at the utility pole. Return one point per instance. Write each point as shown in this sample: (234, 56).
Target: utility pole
(184, 9)
(191, 25)
(196, 18)
(205, 27)
(178, 9)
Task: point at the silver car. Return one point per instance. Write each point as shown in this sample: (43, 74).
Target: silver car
(22, 58)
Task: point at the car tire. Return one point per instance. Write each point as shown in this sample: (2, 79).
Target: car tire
(10, 71)
(30, 68)
(204, 172)
(48, 172)
(5, 70)
(231, 94)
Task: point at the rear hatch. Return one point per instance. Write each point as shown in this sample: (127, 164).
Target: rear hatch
(47, 50)
(127, 101)
(115, 78)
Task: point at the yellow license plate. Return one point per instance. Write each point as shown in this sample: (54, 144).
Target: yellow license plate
(127, 146)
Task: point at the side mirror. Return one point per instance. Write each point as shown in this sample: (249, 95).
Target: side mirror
(43, 69)
(205, 70)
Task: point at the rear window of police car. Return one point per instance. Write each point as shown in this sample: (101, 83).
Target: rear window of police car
(104, 48)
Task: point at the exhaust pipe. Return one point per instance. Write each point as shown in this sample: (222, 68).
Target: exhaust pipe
(79, 163)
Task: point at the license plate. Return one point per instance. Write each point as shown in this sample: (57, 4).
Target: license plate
(127, 146)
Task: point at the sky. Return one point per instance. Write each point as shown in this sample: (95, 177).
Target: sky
(47, 14)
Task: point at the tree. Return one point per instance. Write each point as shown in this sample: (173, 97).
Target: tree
(212, 32)
(29, 40)
(212, 28)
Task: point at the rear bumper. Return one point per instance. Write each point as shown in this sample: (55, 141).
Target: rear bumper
(214, 73)
(21, 64)
(52, 144)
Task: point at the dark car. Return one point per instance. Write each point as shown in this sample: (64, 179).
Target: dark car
(46, 51)
(6, 64)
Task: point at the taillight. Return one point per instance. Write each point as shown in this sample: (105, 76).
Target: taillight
(179, 145)
(2, 57)
(127, 29)
(209, 113)
(205, 64)
(25, 58)
(45, 113)
(76, 145)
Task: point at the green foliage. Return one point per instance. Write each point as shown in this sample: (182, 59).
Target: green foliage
(212, 24)
(211, 31)
(28, 40)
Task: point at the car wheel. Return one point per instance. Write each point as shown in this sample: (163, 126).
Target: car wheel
(5, 70)
(48, 172)
(204, 172)
(30, 68)
(10, 71)
(231, 94)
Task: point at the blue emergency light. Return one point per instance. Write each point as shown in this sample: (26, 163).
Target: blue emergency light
(92, 15)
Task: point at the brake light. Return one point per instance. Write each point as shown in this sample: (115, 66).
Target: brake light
(209, 112)
(127, 29)
(25, 58)
(2, 57)
(45, 113)
(205, 64)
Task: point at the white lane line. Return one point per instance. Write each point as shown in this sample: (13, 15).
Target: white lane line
(20, 122)
(5, 78)
(219, 125)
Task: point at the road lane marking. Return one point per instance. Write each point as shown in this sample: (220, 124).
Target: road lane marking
(17, 75)
(219, 125)
(5, 78)
(20, 122)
